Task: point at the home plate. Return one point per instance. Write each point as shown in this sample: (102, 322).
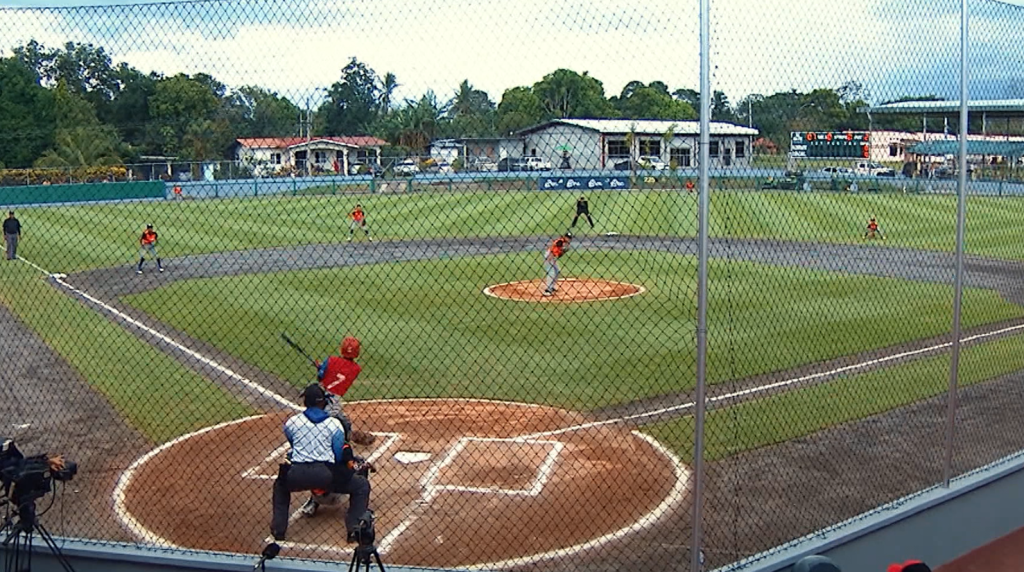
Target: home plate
(410, 457)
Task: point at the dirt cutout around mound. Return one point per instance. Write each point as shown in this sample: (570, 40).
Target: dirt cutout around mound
(569, 290)
(459, 482)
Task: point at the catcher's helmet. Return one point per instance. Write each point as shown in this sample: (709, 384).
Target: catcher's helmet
(314, 396)
(350, 347)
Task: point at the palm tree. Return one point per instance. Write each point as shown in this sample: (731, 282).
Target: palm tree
(388, 85)
(667, 137)
(82, 147)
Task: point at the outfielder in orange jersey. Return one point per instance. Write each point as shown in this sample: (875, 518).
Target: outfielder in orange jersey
(873, 230)
(358, 219)
(551, 256)
(147, 245)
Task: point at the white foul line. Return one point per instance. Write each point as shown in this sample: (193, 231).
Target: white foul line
(771, 386)
(180, 347)
(120, 508)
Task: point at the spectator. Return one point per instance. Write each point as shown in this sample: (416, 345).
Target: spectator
(815, 564)
(909, 566)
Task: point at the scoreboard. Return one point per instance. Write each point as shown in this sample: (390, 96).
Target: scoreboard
(829, 144)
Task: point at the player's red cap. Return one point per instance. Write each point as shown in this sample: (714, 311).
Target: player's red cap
(909, 566)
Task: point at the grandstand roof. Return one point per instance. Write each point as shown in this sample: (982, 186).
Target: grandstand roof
(645, 126)
(1011, 149)
(952, 107)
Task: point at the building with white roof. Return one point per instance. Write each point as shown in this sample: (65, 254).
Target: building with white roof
(603, 143)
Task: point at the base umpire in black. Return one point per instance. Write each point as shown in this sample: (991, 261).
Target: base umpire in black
(582, 209)
(319, 459)
(12, 233)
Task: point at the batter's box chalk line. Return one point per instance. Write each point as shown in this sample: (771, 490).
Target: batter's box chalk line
(431, 489)
(260, 470)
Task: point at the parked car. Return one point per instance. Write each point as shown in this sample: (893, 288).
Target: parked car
(652, 163)
(627, 165)
(366, 169)
(537, 164)
(836, 171)
(507, 164)
(483, 164)
(444, 167)
(873, 168)
(406, 168)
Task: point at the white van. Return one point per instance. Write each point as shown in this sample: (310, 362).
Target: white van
(873, 169)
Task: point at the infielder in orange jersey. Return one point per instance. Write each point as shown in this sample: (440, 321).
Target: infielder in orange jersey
(873, 230)
(358, 219)
(551, 256)
(147, 245)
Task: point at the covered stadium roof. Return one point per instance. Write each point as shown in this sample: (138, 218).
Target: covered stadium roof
(1012, 149)
(645, 127)
(1013, 107)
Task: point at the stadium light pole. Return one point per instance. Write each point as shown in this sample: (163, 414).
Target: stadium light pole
(702, 285)
(958, 275)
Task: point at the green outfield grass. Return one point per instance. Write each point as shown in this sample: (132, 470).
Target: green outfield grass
(154, 393)
(71, 238)
(427, 330)
(802, 412)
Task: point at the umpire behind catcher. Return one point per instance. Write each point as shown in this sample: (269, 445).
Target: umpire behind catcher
(319, 459)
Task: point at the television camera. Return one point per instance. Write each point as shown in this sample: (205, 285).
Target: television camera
(25, 480)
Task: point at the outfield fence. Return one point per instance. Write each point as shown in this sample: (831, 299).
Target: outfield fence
(546, 381)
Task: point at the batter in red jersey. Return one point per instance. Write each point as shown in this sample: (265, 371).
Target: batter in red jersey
(358, 220)
(336, 374)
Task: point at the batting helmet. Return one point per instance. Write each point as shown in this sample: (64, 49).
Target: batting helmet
(350, 348)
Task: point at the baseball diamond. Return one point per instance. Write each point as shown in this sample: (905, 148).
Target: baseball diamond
(493, 464)
(454, 477)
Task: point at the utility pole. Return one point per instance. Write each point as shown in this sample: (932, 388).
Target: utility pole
(309, 133)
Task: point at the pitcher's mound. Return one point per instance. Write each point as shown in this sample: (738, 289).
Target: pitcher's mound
(569, 290)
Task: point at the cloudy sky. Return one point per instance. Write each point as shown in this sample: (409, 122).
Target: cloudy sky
(892, 47)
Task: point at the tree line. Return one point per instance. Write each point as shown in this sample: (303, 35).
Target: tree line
(72, 107)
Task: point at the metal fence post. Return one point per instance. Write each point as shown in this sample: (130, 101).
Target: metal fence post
(958, 277)
(702, 287)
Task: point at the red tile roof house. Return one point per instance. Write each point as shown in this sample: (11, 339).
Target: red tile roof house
(268, 155)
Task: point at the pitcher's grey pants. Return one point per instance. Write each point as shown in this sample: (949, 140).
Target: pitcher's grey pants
(307, 476)
(552, 271)
(12, 246)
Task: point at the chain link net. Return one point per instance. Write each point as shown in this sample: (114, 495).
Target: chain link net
(500, 203)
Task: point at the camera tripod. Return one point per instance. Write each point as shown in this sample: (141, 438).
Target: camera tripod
(20, 527)
(361, 558)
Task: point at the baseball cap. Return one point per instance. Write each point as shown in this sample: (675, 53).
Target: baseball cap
(909, 566)
(149, 226)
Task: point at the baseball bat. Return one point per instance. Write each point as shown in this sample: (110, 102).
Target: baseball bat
(296, 347)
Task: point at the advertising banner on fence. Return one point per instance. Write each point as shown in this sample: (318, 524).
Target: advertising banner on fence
(569, 183)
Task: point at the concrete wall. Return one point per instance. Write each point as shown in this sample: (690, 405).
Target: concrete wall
(81, 193)
(935, 526)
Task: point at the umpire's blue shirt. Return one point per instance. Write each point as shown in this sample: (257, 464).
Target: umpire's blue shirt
(315, 437)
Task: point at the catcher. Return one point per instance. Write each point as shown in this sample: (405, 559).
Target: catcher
(873, 230)
(336, 375)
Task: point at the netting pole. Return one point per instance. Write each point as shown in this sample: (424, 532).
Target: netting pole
(958, 280)
(702, 285)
